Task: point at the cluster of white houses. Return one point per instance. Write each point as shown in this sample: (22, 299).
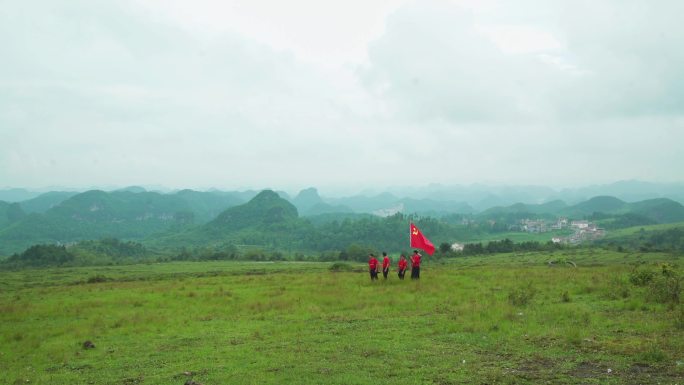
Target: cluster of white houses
(541, 225)
(583, 230)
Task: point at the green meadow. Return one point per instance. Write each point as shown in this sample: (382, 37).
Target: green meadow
(618, 233)
(518, 236)
(616, 318)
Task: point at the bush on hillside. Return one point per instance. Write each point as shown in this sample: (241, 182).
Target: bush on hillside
(42, 256)
(522, 296)
(667, 290)
(641, 277)
(341, 266)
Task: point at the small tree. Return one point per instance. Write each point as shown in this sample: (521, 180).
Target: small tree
(444, 247)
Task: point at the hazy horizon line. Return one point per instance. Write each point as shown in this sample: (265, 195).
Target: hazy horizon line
(328, 189)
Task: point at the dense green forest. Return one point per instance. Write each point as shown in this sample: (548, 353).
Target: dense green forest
(107, 251)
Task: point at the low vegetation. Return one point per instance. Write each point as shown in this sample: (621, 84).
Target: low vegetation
(503, 318)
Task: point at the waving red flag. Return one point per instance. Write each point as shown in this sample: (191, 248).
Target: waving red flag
(419, 241)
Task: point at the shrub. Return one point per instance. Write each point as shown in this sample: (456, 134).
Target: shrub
(666, 289)
(573, 336)
(679, 317)
(653, 354)
(340, 266)
(639, 277)
(97, 279)
(668, 270)
(565, 297)
(618, 288)
(522, 296)
(42, 255)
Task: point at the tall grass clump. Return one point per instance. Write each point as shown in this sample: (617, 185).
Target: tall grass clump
(618, 288)
(666, 287)
(653, 354)
(97, 279)
(341, 266)
(679, 317)
(565, 297)
(641, 277)
(522, 296)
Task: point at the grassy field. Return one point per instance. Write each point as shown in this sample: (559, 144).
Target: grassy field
(519, 236)
(633, 230)
(501, 319)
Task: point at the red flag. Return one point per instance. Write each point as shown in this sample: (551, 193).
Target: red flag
(419, 241)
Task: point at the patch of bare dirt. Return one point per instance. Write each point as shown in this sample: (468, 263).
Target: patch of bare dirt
(587, 369)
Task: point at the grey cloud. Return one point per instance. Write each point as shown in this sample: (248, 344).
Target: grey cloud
(631, 51)
(105, 90)
(105, 93)
(620, 59)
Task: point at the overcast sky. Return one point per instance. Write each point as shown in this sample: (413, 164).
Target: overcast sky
(342, 95)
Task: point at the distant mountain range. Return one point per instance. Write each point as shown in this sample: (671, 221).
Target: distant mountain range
(482, 197)
(478, 196)
(659, 210)
(17, 194)
(265, 217)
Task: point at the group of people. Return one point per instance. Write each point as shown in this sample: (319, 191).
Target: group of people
(402, 265)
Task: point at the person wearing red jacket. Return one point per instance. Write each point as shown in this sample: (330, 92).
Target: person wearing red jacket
(373, 267)
(385, 265)
(415, 265)
(403, 264)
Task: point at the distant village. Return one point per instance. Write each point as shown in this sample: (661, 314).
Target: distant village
(583, 230)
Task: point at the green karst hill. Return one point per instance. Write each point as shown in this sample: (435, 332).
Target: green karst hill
(98, 214)
(602, 204)
(267, 208)
(44, 202)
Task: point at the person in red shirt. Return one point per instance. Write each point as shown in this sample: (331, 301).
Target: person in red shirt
(403, 263)
(385, 265)
(415, 265)
(373, 267)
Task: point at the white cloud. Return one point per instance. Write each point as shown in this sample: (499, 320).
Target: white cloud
(326, 33)
(512, 39)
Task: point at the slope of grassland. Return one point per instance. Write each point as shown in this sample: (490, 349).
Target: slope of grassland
(503, 319)
(517, 236)
(636, 229)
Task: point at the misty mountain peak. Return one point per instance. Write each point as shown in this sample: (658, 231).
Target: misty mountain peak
(266, 196)
(266, 208)
(307, 198)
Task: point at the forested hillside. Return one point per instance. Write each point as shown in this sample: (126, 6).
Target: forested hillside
(98, 214)
(44, 202)
(609, 211)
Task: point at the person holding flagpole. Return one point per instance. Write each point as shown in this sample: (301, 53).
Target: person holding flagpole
(415, 265)
(418, 240)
